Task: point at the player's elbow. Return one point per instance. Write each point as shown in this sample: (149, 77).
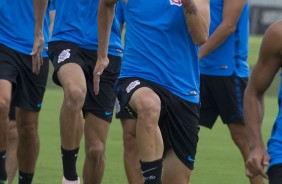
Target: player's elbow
(230, 28)
(109, 2)
(200, 39)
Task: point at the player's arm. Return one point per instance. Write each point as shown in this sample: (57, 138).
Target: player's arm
(39, 13)
(106, 13)
(52, 14)
(231, 13)
(269, 62)
(197, 15)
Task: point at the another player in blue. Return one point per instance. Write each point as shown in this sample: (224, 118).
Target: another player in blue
(159, 80)
(26, 77)
(73, 51)
(268, 65)
(224, 70)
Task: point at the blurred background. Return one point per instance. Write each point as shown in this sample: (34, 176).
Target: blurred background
(263, 13)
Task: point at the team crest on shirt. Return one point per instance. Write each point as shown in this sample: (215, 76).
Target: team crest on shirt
(65, 54)
(175, 2)
(132, 85)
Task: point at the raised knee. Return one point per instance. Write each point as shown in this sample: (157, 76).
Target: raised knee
(148, 108)
(74, 97)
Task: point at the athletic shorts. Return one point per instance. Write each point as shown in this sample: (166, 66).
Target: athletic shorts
(275, 174)
(221, 96)
(100, 105)
(29, 88)
(121, 112)
(179, 119)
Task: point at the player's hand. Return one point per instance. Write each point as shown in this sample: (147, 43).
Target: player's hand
(101, 64)
(36, 54)
(258, 159)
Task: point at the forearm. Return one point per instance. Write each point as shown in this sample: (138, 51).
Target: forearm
(253, 115)
(197, 19)
(216, 39)
(105, 18)
(39, 14)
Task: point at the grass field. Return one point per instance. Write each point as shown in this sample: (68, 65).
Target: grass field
(218, 160)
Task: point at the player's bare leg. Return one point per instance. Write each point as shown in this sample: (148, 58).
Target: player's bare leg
(239, 137)
(96, 132)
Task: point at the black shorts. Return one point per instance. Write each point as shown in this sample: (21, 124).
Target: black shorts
(275, 174)
(179, 119)
(29, 88)
(121, 112)
(101, 105)
(221, 96)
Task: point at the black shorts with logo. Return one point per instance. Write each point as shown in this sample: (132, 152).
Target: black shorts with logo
(121, 112)
(179, 119)
(28, 88)
(221, 96)
(101, 105)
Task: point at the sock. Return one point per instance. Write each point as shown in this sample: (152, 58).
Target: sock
(152, 171)
(25, 178)
(3, 173)
(69, 158)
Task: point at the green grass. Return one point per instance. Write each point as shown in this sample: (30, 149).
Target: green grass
(218, 161)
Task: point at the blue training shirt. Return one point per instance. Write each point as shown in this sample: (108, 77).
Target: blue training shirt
(233, 52)
(17, 25)
(242, 43)
(159, 48)
(120, 11)
(274, 144)
(77, 22)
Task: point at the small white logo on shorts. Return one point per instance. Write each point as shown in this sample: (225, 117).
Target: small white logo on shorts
(175, 2)
(132, 85)
(65, 54)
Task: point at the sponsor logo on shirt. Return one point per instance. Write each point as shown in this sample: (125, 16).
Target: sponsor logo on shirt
(65, 54)
(175, 2)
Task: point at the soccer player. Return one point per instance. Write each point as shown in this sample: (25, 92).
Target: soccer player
(268, 64)
(159, 80)
(12, 134)
(27, 77)
(73, 51)
(224, 70)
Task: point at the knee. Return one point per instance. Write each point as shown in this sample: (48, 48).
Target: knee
(129, 141)
(74, 97)
(96, 154)
(240, 138)
(148, 107)
(4, 107)
(28, 133)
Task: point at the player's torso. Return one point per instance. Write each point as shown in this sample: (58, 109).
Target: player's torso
(17, 25)
(77, 21)
(158, 45)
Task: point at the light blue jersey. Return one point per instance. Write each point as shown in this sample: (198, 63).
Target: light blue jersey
(17, 25)
(159, 48)
(231, 56)
(274, 144)
(77, 22)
